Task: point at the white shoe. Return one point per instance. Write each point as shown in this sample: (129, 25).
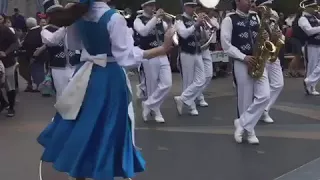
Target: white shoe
(145, 111)
(203, 103)
(309, 90)
(238, 133)
(159, 119)
(194, 112)
(179, 104)
(158, 116)
(252, 138)
(266, 118)
(314, 91)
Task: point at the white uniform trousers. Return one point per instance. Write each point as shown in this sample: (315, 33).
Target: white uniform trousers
(158, 81)
(253, 95)
(313, 65)
(61, 78)
(208, 70)
(193, 76)
(276, 82)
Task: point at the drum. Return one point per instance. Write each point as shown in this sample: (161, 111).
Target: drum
(219, 56)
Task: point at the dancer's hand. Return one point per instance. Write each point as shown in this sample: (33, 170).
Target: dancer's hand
(167, 44)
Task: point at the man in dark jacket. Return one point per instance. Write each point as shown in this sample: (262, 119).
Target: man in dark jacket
(18, 21)
(8, 44)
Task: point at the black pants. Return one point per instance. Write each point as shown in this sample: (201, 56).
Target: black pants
(283, 62)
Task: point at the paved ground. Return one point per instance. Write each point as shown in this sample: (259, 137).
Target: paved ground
(189, 148)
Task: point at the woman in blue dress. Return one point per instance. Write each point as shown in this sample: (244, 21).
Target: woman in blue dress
(91, 135)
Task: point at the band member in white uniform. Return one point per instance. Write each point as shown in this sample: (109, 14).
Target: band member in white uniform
(207, 59)
(311, 28)
(238, 36)
(62, 61)
(151, 29)
(191, 63)
(274, 69)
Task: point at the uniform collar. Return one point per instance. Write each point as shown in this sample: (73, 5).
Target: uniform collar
(34, 27)
(306, 14)
(186, 15)
(146, 15)
(242, 14)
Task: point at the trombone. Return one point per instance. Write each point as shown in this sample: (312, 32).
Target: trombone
(126, 13)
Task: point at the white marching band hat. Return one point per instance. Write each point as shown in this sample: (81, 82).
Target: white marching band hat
(51, 5)
(148, 2)
(190, 2)
(308, 3)
(263, 2)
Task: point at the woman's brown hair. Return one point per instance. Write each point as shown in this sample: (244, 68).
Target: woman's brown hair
(66, 17)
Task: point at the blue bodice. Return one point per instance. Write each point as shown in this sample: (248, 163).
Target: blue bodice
(95, 36)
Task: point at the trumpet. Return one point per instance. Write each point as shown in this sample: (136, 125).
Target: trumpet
(167, 14)
(206, 21)
(208, 26)
(175, 37)
(126, 13)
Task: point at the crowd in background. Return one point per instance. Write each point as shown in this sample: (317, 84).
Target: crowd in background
(28, 61)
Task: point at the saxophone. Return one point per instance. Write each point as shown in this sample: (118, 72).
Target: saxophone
(263, 49)
(278, 42)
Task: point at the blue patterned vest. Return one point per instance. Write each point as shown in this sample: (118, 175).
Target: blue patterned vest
(244, 32)
(94, 35)
(57, 53)
(314, 39)
(155, 37)
(192, 44)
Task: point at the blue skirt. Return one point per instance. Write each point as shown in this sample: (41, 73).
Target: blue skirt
(98, 144)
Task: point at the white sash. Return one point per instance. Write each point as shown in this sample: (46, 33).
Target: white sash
(69, 103)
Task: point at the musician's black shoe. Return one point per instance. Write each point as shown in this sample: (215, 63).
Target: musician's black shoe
(11, 112)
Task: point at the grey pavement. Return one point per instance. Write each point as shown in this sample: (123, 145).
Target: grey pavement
(188, 148)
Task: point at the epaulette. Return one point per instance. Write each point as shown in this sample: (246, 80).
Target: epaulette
(230, 13)
(44, 27)
(35, 27)
(252, 12)
(139, 15)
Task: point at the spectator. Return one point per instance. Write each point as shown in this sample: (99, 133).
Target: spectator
(296, 43)
(34, 58)
(290, 20)
(42, 22)
(8, 44)
(8, 23)
(282, 22)
(18, 21)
